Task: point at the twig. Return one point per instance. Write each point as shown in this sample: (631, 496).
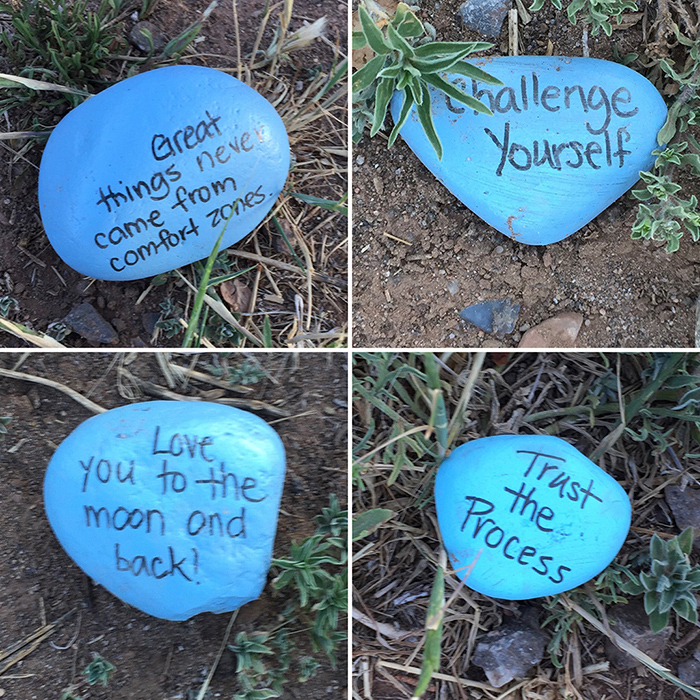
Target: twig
(212, 670)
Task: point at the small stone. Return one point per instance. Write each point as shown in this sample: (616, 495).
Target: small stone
(560, 331)
(541, 517)
(689, 672)
(497, 317)
(485, 16)
(538, 152)
(149, 320)
(685, 506)
(170, 505)
(360, 160)
(509, 652)
(138, 36)
(87, 322)
(632, 624)
(452, 287)
(203, 147)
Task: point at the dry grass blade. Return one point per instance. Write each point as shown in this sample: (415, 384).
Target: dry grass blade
(90, 405)
(7, 80)
(30, 336)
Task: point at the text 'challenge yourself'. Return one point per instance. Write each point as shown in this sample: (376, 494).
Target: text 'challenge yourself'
(568, 137)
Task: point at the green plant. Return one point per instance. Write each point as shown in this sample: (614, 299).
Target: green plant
(596, 13)
(4, 422)
(8, 304)
(67, 41)
(248, 651)
(98, 670)
(307, 668)
(406, 60)
(670, 582)
(304, 569)
(332, 520)
(664, 214)
(170, 315)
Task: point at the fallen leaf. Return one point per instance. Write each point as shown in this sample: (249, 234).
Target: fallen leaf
(237, 295)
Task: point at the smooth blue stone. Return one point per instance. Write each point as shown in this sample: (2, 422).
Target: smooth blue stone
(141, 178)
(543, 203)
(541, 517)
(129, 494)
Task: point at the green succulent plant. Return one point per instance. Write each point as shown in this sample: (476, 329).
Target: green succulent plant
(406, 60)
(670, 582)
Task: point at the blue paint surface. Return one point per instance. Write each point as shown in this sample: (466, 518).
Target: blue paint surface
(141, 178)
(541, 517)
(130, 496)
(520, 178)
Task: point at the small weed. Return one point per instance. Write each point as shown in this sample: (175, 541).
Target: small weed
(169, 321)
(7, 305)
(409, 61)
(248, 651)
(670, 582)
(332, 520)
(596, 13)
(58, 330)
(247, 373)
(264, 659)
(99, 670)
(4, 422)
(308, 666)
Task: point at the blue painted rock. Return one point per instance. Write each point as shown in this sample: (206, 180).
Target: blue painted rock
(541, 517)
(141, 178)
(568, 137)
(171, 506)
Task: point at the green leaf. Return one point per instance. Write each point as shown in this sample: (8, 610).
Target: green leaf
(436, 65)
(364, 77)
(372, 33)
(267, 332)
(384, 92)
(406, 22)
(398, 42)
(405, 111)
(657, 548)
(685, 540)
(368, 521)
(456, 94)
(657, 621)
(450, 48)
(471, 71)
(358, 41)
(426, 119)
(330, 204)
(433, 633)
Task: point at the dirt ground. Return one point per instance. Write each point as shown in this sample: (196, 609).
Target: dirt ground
(46, 289)
(394, 566)
(306, 399)
(630, 293)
